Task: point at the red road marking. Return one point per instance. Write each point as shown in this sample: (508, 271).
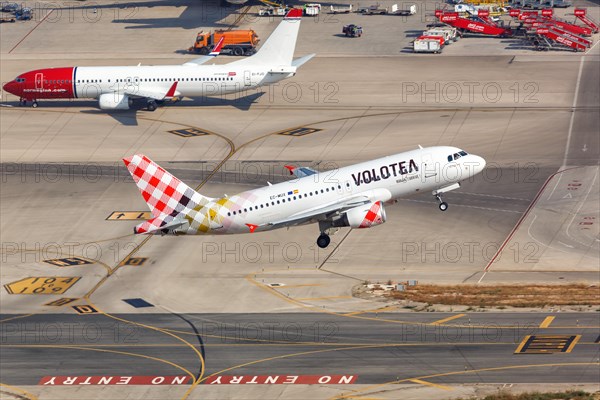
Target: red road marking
(115, 380)
(32, 29)
(280, 379)
(510, 235)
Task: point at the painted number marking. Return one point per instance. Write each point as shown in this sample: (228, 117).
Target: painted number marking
(41, 285)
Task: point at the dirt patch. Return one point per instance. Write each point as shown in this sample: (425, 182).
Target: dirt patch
(501, 295)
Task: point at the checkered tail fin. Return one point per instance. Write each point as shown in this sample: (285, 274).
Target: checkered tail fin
(165, 195)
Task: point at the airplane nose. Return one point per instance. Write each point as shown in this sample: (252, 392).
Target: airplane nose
(11, 87)
(479, 164)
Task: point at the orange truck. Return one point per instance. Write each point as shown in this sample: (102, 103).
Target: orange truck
(237, 43)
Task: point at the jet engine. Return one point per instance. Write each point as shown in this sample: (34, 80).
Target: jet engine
(364, 216)
(114, 101)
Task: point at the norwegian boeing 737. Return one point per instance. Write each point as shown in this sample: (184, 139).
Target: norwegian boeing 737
(116, 87)
(352, 196)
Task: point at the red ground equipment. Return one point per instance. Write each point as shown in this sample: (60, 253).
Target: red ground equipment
(471, 25)
(555, 36)
(547, 18)
(581, 14)
(549, 32)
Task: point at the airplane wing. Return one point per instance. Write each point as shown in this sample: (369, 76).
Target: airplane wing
(323, 211)
(301, 172)
(211, 56)
(150, 93)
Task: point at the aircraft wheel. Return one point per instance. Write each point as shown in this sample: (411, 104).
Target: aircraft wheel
(323, 241)
(443, 206)
(34, 104)
(151, 106)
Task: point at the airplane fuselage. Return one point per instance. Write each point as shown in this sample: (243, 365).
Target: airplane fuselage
(91, 82)
(379, 180)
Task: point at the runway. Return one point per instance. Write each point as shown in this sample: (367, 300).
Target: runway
(375, 348)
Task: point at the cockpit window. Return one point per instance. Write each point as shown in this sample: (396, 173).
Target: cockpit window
(450, 158)
(20, 80)
(456, 156)
(463, 153)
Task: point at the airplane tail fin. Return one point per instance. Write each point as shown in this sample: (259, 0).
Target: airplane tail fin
(167, 197)
(279, 48)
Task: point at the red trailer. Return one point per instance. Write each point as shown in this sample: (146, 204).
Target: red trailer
(469, 25)
(581, 14)
(549, 37)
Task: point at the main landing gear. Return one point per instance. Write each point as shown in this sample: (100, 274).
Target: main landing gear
(323, 240)
(151, 106)
(326, 228)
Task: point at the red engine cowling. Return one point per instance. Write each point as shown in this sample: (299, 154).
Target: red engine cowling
(365, 216)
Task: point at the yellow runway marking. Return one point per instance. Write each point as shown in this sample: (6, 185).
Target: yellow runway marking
(375, 310)
(323, 298)
(573, 343)
(42, 285)
(19, 390)
(435, 385)
(546, 322)
(522, 344)
(451, 318)
(129, 215)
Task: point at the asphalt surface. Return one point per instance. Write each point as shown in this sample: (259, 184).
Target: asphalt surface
(376, 348)
(584, 144)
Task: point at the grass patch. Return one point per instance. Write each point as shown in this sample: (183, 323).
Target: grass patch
(570, 395)
(502, 295)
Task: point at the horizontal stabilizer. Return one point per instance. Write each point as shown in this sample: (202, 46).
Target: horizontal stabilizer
(159, 224)
(301, 172)
(300, 61)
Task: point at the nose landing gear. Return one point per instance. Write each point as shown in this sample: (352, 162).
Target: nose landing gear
(443, 205)
(23, 103)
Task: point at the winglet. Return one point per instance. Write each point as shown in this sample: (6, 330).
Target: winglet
(252, 227)
(217, 49)
(294, 13)
(290, 168)
(171, 91)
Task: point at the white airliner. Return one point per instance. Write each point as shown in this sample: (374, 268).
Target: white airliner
(352, 196)
(115, 87)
